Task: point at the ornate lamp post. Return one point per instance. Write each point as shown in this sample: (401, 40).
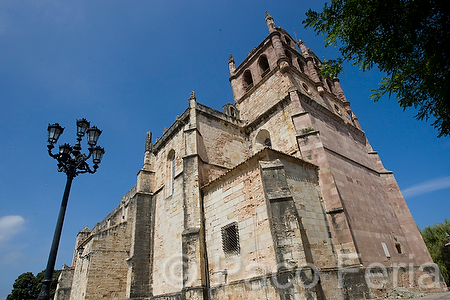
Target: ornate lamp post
(72, 162)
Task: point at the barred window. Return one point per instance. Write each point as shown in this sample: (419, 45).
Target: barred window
(230, 239)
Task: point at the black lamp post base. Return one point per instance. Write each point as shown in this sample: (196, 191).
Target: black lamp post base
(45, 290)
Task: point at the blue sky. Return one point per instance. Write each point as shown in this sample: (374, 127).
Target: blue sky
(129, 67)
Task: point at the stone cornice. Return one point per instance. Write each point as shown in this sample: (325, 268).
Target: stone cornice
(92, 235)
(208, 111)
(254, 53)
(181, 121)
(264, 153)
(173, 129)
(327, 112)
(353, 161)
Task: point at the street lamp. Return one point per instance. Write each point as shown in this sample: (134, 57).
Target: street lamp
(72, 162)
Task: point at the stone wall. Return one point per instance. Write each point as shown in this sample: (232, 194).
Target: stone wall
(303, 184)
(171, 143)
(64, 287)
(281, 224)
(238, 199)
(277, 121)
(263, 96)
(222, 144)
(167, 267)
(101, 271)
(357, 179)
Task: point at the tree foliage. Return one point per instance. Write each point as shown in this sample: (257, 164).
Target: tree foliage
(27, 286)
(435, 238)
(409, 40)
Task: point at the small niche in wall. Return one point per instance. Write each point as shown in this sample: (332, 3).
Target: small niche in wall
(398, 247)
(262, 140)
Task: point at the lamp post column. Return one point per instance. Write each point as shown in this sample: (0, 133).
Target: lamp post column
(48, 277)
(72, 162)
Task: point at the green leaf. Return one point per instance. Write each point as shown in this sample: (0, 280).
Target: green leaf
(408, 40)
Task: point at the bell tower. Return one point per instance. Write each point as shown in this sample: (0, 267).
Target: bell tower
(278, 90)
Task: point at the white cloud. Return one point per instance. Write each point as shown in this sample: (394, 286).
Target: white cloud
(427, 187)
(11, 257)
(10, 226)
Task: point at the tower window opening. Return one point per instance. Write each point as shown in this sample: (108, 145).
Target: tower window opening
(330, 85)
(230, 239)
(289, 57)
(248, 80)
(351, 118)
(301, 65)
(316, 61)
(306, 88)
(264, 65)
(288, 41)
(337, 109)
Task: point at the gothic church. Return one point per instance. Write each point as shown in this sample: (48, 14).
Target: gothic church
(279, 196)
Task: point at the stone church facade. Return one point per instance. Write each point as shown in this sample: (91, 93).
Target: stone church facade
(280, 196)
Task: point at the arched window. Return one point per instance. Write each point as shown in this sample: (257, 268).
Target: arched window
(170, 173)
(330, 85)
(248, 80)
(232, 112)
(263, 140)
(301, 65)
(317, 62)
(288, 41)
(289, 57)
(264, 65)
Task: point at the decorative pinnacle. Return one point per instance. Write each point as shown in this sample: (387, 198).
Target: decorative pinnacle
(270, 23)
(148, 142)
(192, 97)
(302, 47)
(231, 64)
(230, 59)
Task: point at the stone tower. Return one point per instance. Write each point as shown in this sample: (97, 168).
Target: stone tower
(279, 196)
(363, 202)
